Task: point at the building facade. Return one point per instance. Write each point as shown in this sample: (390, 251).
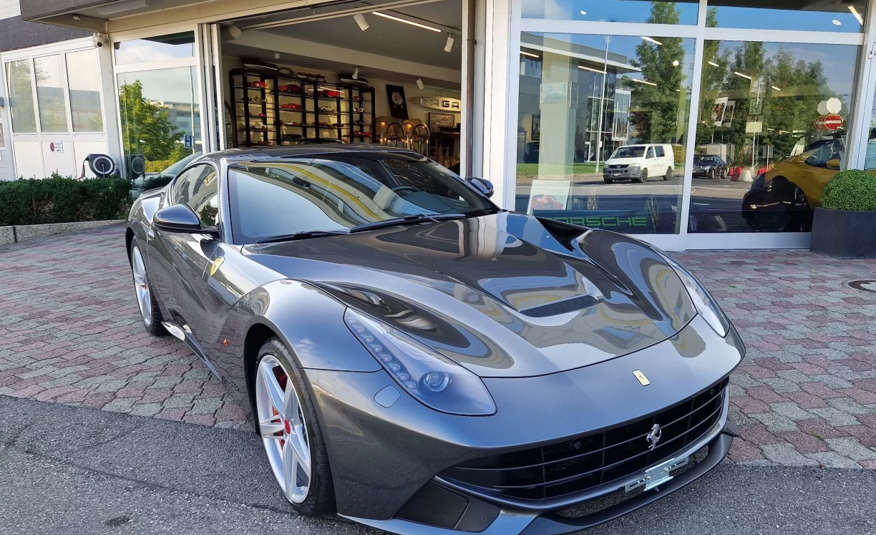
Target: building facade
(561, 101)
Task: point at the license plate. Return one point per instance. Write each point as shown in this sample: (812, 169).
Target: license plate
(615, 174)
(656, 476)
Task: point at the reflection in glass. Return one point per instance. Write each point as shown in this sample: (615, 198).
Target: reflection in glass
(83, 75)
(162, 48)
(846, 16)
(775, 115)
(160, 114)
(602, 126)
(613, 11)
(21, 105)
(50, 94)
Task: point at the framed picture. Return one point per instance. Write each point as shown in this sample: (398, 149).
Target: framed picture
(398, 107)
(536, 127)
(439, 121)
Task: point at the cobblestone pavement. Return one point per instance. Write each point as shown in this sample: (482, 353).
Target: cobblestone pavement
(805, 395)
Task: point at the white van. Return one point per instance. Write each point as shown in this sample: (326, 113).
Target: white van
(639, 163)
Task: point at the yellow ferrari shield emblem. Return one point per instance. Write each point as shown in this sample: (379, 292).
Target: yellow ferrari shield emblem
(641, 377)
(215, 265)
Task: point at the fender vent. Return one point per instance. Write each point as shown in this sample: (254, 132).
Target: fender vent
(561, 307)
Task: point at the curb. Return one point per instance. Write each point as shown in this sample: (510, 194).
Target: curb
(20, 233)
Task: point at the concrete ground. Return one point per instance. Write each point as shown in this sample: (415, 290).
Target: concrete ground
(78, 374)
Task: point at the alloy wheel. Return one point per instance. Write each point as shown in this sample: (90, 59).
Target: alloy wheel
(141, 286)
(283, 429)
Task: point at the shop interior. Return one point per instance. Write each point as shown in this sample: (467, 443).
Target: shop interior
(354, 72)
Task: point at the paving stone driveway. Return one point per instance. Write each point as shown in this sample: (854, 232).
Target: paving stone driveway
(806, 394)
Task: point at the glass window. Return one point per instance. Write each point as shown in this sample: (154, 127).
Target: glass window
(846, 16)
(83, 75)
(590, 120)
(165, 47)
(161, 117)
(776, 114)
(340, 191)
(50, 94)
(20, 79)
(204, 195)
(684, 12)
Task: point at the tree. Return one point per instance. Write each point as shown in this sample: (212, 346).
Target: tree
(146, 126)
(660, 95)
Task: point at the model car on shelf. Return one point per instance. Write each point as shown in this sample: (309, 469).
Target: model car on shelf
(289, 89)
(709, 166)
(258, 85)
(421, 361)
(327, 109)
(290, 106)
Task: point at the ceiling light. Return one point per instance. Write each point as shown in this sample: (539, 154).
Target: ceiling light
(397, 19)
(856, 14)
(121, 7)
(360, 20)
(646, 82)
(276, 55)
(448, 46)
(655, 41)
(776, 88)
(529, 54)
(420, 83)
(836, 22)
(746, 76)
(582, 67)
(713, 64)
(235, 32)
(356, 73)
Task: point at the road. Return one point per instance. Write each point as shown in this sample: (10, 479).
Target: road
(75, 470)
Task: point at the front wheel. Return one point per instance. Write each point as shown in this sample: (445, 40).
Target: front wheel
(290, 431)
(150, 314)
(642, 177)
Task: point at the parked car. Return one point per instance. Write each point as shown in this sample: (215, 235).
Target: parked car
(420, 361)
(782, 199)
(709, 166)
(150, 181)
(638, 163)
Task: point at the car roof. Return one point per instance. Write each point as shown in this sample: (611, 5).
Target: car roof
(303, 151)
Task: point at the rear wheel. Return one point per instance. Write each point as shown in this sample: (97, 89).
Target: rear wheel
(668, 174)
(150, 313)
(290, 431)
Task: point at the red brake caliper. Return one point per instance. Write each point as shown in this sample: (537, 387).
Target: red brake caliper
(281, 379)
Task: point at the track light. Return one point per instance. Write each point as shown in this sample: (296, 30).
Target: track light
(412, 23)
(360, 20)
(420, 83)
(356, 73)
(235, 32)
(448, 46)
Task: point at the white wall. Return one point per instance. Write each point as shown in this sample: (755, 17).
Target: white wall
(9, 8)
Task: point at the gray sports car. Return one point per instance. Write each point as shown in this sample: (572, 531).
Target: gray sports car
(418, 360)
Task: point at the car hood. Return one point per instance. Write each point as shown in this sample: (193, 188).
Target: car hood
(504, 295)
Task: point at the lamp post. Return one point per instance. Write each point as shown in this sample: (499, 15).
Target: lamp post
(602, 105)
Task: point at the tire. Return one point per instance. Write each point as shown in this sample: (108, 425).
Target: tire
(668, 174)
(274, 358)
(642, 178)
(145, 296)
(711, 174)
(608, 181)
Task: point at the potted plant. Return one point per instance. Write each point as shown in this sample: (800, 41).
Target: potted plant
(845, 226)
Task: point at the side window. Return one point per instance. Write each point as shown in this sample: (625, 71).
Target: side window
(660, 152)
(650, 153)
(826, 152)
(198, 187)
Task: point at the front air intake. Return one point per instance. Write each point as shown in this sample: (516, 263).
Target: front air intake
(561, 307)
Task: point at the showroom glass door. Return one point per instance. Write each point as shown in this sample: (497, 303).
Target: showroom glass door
(708, 124)
(159, 96)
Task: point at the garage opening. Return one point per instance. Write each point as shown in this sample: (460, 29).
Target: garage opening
(351, 72)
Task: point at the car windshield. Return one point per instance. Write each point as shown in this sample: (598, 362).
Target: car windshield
(337, 192)
(629, 152)
(704, 159)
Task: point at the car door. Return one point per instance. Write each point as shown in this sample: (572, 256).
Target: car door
(651, 161)
(184, 255)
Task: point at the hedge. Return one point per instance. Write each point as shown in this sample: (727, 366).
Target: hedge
(62, 199)
(851, 190)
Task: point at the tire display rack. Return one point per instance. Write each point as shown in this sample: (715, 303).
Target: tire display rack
(272, 109)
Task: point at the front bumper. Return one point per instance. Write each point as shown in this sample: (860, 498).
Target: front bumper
(622, 174)
(382, 457)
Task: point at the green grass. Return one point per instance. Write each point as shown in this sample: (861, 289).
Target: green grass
(532, 169)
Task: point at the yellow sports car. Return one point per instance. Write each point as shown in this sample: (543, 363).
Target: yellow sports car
(782, 199)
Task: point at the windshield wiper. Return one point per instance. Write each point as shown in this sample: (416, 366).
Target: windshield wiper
(303, 235)
(406, 220)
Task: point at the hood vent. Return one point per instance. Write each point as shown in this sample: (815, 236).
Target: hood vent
(562, 307)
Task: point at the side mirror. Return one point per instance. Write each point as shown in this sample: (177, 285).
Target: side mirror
(833, 164)
(181, 218)
(482, 185)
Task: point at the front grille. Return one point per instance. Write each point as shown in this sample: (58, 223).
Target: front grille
(619, 166)
(584, 462)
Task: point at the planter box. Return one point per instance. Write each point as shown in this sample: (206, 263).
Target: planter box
(844, 234)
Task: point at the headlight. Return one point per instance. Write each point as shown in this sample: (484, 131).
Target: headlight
(635, 166)
(432, 379)
(702, 300)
